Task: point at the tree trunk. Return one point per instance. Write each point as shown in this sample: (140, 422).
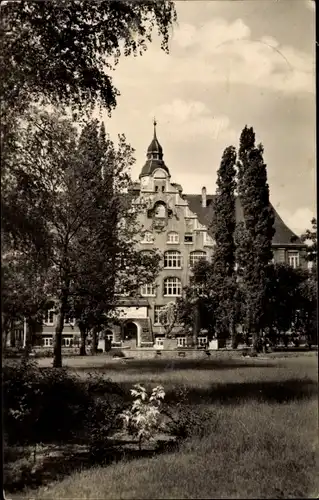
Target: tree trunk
(28, 342)
(82, 341)
(5, 331)
(94, 342)
(30, 331)
(254, 344)
(57, 351)
(196, 325)
(233, 334)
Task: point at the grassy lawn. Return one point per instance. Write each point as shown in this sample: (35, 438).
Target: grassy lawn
(260, 442)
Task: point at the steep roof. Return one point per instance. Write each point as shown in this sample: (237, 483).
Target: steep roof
(151, 165)
(283, 235)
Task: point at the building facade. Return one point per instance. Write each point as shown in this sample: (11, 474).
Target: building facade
(178, 225)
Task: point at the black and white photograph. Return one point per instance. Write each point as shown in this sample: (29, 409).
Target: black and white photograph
(159, 287)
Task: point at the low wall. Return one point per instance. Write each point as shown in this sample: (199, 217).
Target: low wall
(180, 354)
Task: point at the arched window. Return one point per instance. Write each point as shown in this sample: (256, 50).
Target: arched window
(172, 259)
(196, 256)
(172, 237)
(173, 287)
(147, 237)
(160, 210)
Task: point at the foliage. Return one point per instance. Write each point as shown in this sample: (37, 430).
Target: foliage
(186, 420)
(254, 236)
(75, 184)
(169, 316)
(144, 418)
(223, 279)
(252, 431)
(307, 313)
(63, 51)
(50, 405)
(310, 237)
(190, 422)
(25, 293)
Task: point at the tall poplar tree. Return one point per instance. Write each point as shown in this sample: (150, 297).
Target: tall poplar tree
(224, 280)
(254, 239)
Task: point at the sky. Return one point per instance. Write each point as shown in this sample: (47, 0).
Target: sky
(230, 64)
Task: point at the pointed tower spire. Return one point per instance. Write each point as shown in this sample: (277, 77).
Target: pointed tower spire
(155, 123)
(154, 155)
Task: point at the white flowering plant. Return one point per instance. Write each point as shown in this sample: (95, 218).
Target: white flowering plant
(144, 419)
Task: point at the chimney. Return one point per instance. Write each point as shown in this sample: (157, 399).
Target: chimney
(204, 201)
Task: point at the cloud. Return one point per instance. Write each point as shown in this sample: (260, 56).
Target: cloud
(191, 119)
(219, 51)
(298, 221)
(211, 34)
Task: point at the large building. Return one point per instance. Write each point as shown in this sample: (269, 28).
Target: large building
(178, 225)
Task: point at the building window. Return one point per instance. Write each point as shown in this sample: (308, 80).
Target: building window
(147, 237)
(159, 342)
(160, 211)
(188, 238)
(157, 315)
(66, 342)
(49, 317)
(173, 287)
(196, 256)
(172, 259)
(293, 259)
(148, 290)
(156, 189)
(163, 189)
(181, 341)
(48, 342)
(18, 335)
(172, 237)
(202, 341)
(69, 320)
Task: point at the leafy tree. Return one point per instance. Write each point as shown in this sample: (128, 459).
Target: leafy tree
(25, 292)
(310, 236)
(307, 314)
(254, 236)
(196, 309)
(282, 298)
(63, 51)
(77, 195)
(224, 279)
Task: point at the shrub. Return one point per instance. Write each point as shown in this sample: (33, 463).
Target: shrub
(101, 420)
(143, 419)
(51, 405)
(190, 422)
(185, 420)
